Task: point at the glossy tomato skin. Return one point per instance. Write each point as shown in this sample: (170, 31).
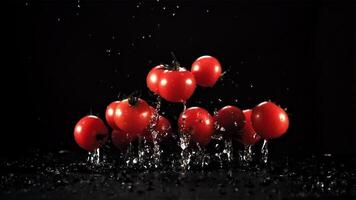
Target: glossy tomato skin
(121, 139)
(90, 133)
(153, 78)
(206, 70)
(163, 129)
(197, 122)
(229, 120)
(269, 120)
(176, 85)
(132, 118)
(248, 135)
(110, 114)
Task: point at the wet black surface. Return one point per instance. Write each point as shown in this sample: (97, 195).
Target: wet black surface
(62, 175)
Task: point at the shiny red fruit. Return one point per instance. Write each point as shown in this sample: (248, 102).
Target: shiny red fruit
(197, 122)
(153, 78)
(176, 85)
(90, 133)
(269, 120)
(163, 129)
(206, 70)
(110, 114)
(229, 120)
(121, 139)
(248, 135)
(132, 115)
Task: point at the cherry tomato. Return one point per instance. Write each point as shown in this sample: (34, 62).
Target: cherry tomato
(176, 85)
(197, 122)
(110, 114)
(229, 120)
(153, 78)
(121, 139)
(206, 70)
(269, 120)
(132, 115)
(163, 129)
(90, 133)
(248, 135)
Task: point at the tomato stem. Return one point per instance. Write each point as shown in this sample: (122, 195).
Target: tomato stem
(132, 100)
(175, 64)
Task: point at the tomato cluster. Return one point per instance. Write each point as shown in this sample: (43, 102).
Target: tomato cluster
(133, 117)
(177, 84)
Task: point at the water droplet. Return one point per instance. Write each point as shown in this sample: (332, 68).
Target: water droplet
(135, 160)
(264, 152)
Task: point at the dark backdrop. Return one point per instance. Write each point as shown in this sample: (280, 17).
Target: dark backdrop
(66, 61)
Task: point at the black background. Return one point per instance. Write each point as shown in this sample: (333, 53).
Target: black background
(65, 62)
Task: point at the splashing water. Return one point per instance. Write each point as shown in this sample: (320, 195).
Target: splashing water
(202, 158)
(94, 157)
(130, 158)
(156, 146)
(184, 141)
(144, 154)
(228, 150)
(246, 155)
(264, 152)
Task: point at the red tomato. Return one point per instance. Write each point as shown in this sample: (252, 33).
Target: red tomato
(197, 122)
(132, 115)
(206, 70)
(153, 78)
(176, 85)
(110, 114)
(248, 135)
(230, 120)
(163, 128)
(121, 139)
(90, 133)
(269, 120)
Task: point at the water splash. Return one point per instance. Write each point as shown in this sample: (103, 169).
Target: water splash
(264, 152)
(130, 157)
(184, 141)
(94, 157)
(228, 150)
(246, 155)
(156, 146)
